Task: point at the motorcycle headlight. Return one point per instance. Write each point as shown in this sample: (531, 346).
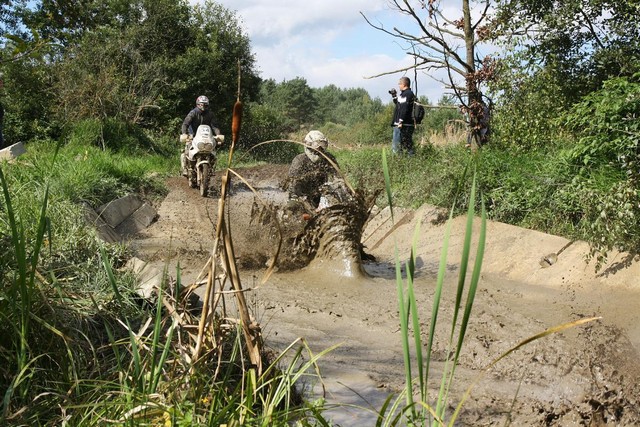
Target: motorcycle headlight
(205, 146)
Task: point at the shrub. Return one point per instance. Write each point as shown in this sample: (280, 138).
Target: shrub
(607, 125)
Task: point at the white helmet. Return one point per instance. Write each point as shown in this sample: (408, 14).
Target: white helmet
(315, 140)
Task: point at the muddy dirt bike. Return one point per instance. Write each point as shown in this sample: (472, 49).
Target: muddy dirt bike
(198, 160)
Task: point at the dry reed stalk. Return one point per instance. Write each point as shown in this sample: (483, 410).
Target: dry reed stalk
(251, 330)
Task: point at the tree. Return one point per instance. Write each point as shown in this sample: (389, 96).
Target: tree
(448, 44)
(555, 54)
(209, 65)
(106, 76)
(328, 97)
(344, 106)
(148, 66)
(294, 98)
(579, 43)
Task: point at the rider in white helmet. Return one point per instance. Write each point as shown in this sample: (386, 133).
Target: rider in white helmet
(201, 115)
(311, 169)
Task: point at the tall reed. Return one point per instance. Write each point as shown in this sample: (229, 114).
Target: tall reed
(17, 308)
(418, 409)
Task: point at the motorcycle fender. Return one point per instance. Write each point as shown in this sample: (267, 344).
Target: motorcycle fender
(202, 162)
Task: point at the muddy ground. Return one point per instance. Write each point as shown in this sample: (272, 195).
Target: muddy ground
(587, 376)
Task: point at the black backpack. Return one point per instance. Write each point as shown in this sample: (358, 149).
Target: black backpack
(418, 113)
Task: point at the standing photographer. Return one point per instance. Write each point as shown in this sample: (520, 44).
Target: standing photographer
(403, 125)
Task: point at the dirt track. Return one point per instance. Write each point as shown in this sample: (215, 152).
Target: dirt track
(585, 376)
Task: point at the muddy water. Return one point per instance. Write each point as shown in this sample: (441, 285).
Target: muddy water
(579, 375)
(584, 376)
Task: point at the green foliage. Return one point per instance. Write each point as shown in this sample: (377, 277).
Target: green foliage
(437, 120)
(348, 107)
(525, 116)
(28, 102)
(430, 176)
(293, 98)
(375, 130)
(142, 63)
(532, 190)
(80, 175)
(45, 354)
(347, 116)
(607, 125)
(544, 190)
(580, 43)
(106, 76)
(210, 65)
(576, 47)
(118, 136)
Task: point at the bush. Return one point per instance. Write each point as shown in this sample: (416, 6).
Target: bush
(118, 136)
(607, 125)
(525, 118)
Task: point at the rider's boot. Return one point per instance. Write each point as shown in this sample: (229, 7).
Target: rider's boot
(183, 163)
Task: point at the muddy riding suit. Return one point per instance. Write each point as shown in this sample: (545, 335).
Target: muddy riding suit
(402, 122)
(306, 176)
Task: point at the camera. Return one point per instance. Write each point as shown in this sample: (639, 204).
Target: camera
(393, 92)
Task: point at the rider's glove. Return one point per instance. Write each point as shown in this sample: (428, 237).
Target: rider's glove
(183, 138)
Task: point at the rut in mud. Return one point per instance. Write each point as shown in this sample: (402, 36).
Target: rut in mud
(586, 376)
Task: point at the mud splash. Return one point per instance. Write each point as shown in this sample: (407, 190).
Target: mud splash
(327, 239)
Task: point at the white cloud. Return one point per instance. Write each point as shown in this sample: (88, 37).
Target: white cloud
(328, 42)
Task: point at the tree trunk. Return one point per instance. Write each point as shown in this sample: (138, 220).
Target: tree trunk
(474, 97)
(469, 38)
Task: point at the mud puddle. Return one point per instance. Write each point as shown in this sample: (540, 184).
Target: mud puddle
(586, 376)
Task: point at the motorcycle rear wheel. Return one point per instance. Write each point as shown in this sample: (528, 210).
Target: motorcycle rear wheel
(204, 181)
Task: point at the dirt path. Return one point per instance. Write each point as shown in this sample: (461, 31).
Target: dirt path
(586, 376)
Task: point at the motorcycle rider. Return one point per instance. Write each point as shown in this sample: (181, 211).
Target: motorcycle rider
(200, 115)
(311, 169)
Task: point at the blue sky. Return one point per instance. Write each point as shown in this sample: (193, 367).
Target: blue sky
(329, 42)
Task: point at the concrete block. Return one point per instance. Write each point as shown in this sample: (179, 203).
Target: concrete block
(105, 232)
(148, 277)
(116, 211)
(13, 151)
(137, 221)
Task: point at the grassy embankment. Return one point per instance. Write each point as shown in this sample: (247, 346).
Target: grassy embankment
(536, 190)
(77, 347)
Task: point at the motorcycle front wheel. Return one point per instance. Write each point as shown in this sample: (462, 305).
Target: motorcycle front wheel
(204, 180)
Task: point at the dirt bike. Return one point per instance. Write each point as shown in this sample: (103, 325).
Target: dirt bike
(199, 158)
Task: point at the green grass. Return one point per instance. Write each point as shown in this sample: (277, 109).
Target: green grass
(428, 177)
(539, 190)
